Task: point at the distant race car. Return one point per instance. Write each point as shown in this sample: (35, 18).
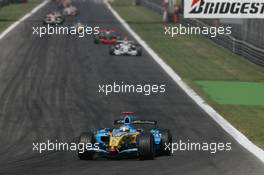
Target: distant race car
(129, 137)
(70, 11)
(106, 37)
(53, 18)
(125, 47)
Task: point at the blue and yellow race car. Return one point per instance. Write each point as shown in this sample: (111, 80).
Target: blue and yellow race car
(129, 137)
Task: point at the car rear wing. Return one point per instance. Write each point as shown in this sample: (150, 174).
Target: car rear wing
(141, 122)
(146, 122)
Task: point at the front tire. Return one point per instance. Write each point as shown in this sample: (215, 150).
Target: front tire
(86, 138)
(145, 144)
(112, 50)
(139, 52)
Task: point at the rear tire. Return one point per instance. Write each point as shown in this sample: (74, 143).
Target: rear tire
(145, 144)
(166, 139)
(86, 138)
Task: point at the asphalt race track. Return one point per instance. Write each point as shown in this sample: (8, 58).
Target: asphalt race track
(49, 90)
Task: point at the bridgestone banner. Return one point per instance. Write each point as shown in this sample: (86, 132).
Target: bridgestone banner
(224, 9)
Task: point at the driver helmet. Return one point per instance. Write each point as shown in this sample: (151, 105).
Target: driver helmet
(124, 128)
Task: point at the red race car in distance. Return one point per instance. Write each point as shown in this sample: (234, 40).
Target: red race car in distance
(106, 37)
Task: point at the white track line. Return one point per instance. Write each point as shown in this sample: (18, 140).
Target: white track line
(238, 136)
(12, 26)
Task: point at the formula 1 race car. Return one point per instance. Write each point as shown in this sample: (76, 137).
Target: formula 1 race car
(129, 137)
(70, 11)
(125, 47)
(53, 18)
(106, 37)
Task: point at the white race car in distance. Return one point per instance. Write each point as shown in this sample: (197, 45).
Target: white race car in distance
(125, 47)
(53, 18)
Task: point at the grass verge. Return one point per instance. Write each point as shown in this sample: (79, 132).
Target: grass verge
(234, 92)
(196, 58)
(11, 13)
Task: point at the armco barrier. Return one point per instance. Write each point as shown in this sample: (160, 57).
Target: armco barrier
(247, 45)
